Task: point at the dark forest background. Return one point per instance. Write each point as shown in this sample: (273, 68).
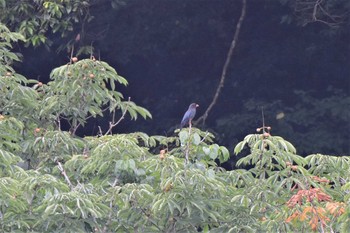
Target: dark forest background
(172, 53)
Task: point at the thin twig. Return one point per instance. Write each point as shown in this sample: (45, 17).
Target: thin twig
(262, 141)
(314, 11)
(206, 135)
(227, 62)
(74, 129)
(263, 118)
(115, 182)
(58, 123)
(63, 172)
(113, 124)
(100, 133)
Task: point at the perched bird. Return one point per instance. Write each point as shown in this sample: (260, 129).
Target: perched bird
(189, 115)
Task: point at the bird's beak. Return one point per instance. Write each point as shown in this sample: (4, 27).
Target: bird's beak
(197, 105)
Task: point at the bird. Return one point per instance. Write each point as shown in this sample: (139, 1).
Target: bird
(189, 115)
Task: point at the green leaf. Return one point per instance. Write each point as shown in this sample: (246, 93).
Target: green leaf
(206, 150)
(224, 154)
(239, 147)
(196, 139)
(183, 135)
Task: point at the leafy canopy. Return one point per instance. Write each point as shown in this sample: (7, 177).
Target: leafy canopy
(54, 181)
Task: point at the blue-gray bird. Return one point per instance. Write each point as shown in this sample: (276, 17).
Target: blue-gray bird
(189, 115)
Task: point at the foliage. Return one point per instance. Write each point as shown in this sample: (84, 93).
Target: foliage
(117, 183)
(36, 19)
(7, 57)
(79, 91)
(293, 194)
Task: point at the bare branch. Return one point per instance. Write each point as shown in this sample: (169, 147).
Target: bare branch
(113, 124)
(100, 133)
(309, 11)
(63, 172)
(227, 62)
(58, 122)
(205, 136)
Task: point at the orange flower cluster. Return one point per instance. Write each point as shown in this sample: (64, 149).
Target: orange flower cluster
(315, 214)
(318, 214)
(310, 195)
(335, 208)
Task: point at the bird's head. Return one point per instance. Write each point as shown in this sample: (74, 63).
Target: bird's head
(194, 105)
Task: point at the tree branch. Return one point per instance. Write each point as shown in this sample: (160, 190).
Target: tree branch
(63, 172)
(227, 62)
(318, 11)
(113, 124)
